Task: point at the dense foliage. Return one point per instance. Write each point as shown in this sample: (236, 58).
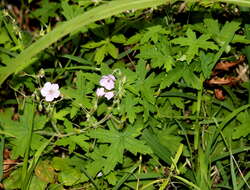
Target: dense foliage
(142, 94)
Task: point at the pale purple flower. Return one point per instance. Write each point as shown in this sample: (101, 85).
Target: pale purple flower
(109, 95)
(108, 81)
(100, 92)
(50, 91)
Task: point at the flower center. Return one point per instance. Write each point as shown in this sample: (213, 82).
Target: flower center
(51, 92)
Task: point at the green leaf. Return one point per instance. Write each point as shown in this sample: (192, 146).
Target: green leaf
(98, 13)
(47, 10)
(55, 187)
(240, 39)
(194, 44)
(222, 34)
(177, 101)
(70, 11)
(169, 138)
(119, 38)
(129, 108)
(99, 161)
(45, 172)
(101, 12)
(60, 115)
(191, 79)
(242, 130)
(60, 163)
(101, 52)
(161, 151)
(159, 54)
(134, 39)
(153, 33)
(92, 45)
(71, 176)
(147, 109)
(40, 121)
(119, 142)
(212, 27)
(172, 76)
(4, 37)
(147, 89)
(37, 184)
(72, 141)
(18, 143)
(145, 85)
(18, 129)
(206, 63)
(78, 59)
(69, 170)
(112, 50)
(78, 94)
(14, 180)
(226, 31)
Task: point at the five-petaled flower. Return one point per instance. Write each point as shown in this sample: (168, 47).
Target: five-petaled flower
(50, 91)
(100, 92)
(109, 95)
(108, 82)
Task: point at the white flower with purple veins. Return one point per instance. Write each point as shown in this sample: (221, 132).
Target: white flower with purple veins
(108, 82)
(50, 91)
(100, 92)
(109, 95)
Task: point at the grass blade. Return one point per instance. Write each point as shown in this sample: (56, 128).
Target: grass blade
(226, 154)
(161, 151)
(125, 177)
(35, 160)
(224, 123)
(28, 119)
(173, 167)
(242, 183)
(187, 182)
(233, 173)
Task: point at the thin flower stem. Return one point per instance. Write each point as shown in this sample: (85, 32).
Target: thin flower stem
(106, 117)
(241, 174)
(17, 91)
(152, 183)
(55, 128)
(139, 171)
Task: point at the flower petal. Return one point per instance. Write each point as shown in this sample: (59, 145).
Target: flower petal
(103, 81)
(49, 98)
(100, 92)
(54, 86)
(109, 95)
(47, 85)
(56, 94)
(112, 77)
(44, 91)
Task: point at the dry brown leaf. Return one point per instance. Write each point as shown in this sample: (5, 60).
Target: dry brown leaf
(222, 81)
(219, 94)
(225, 66)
